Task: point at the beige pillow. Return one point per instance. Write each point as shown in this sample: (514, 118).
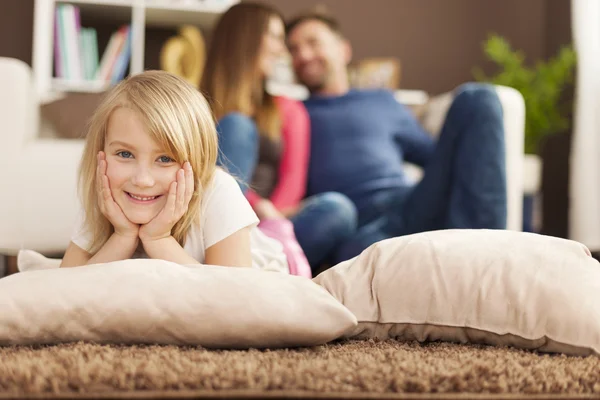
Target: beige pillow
(29, 260)
(479, 286)
(155, 301)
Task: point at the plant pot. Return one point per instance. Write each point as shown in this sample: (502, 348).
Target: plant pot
(532, 180)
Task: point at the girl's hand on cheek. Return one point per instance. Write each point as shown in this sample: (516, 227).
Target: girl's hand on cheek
(180, 194)
(109, 208)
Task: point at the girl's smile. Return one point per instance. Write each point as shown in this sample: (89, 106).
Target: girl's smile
(142, 199)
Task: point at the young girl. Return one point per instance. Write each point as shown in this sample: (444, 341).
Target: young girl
(149, 184)
(265, 140)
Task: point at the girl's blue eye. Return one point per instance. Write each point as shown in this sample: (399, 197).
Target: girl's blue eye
(165, 159)
(125, 154)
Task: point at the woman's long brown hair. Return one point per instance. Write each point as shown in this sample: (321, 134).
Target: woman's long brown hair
(232, 80)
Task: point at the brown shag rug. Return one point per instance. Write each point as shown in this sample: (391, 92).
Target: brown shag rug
(353, 369)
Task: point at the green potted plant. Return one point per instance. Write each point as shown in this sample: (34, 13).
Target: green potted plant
(542, 86)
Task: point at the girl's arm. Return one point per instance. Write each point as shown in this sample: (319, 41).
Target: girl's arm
(116, 248)
(168, 249)
(233, 251)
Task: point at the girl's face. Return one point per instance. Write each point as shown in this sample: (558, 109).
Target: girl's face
(272, 47)
(138, 170)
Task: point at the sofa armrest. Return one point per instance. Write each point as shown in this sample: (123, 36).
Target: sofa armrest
(19, 112)
(513, 107)
(38, 177)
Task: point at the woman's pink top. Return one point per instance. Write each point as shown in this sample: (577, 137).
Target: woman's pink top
(291, 184)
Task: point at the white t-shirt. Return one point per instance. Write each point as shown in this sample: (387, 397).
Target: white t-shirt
(224, 211)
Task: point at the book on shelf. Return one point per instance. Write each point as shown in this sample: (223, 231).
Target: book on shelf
(76, 55)
(113, 65)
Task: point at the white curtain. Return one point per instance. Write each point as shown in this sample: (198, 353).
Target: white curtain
(585, 153)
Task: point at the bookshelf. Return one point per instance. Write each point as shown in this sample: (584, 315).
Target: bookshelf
(137, 14)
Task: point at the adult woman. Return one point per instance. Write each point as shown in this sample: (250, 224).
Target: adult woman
(264, 140)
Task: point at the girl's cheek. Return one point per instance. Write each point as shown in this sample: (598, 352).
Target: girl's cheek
(169, 175)
(116, 172)
(109, 168)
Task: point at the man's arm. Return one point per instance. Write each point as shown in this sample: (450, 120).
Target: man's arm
(416, 143)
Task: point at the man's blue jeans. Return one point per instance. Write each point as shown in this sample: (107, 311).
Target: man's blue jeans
(323, 222)
(464, 185)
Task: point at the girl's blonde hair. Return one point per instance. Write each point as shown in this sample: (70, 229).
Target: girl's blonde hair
(232, 79)
(177, 117)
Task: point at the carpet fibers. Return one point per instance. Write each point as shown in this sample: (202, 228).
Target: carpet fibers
(353, 369)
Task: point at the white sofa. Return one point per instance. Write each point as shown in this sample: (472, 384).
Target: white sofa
(38, 176)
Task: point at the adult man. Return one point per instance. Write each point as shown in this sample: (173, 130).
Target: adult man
(360, 140)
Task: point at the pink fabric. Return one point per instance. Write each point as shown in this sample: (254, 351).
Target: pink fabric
(252, 197)
(283, 230)
(291, 186)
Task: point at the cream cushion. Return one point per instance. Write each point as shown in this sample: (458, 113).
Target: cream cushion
(479, 286)
(156, 301)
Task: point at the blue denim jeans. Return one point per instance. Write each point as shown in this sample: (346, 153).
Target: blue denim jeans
(463, 186)
(324, 221)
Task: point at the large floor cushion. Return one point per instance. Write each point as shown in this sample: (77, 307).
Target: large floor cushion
(474, 286)
(156, 301)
